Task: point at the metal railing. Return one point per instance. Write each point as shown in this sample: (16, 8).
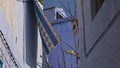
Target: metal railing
(12, 57)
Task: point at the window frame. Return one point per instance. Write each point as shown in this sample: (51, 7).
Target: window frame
(95, 7)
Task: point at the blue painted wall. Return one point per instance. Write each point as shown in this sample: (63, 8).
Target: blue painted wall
(51, 3)
(64, 30)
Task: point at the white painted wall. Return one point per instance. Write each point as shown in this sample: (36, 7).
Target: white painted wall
(15, 34)
(5, 28)
(39, 51)
(18, 32)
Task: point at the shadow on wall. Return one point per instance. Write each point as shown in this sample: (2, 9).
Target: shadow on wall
(31, 35)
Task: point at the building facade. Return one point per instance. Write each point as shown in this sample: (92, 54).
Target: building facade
(58, 58)
(99, 33)
(20, 40)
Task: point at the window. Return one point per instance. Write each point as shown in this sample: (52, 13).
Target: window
(58, 16)
(95, 6)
